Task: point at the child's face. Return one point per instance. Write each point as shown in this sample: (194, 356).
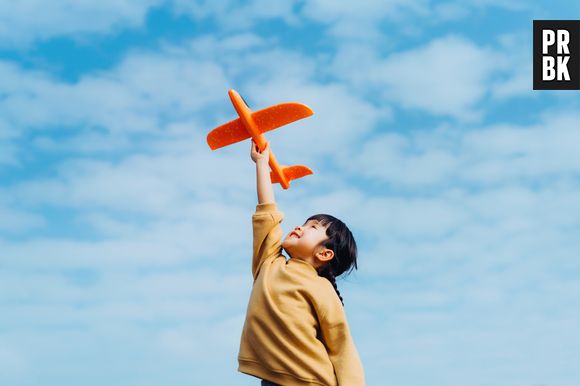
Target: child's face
(304, 241)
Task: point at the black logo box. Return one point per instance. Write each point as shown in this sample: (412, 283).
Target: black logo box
(573, 63)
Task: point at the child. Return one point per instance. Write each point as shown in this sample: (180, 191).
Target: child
(296, 333)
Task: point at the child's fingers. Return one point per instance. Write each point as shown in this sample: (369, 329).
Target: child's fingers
(254, 148)
(257, 149)
(254, 155)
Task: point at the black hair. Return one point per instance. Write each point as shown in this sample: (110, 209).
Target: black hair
(341, 241)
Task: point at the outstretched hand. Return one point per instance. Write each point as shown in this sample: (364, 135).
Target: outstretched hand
(255, 154)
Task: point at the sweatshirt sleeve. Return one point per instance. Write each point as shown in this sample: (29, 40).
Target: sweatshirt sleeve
(340, 346)
(267, 235)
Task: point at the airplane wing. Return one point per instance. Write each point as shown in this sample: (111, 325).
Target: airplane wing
(266, 119)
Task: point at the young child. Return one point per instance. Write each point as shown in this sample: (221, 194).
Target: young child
(296, 333)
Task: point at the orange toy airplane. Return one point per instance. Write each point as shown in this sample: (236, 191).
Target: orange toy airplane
(253, 125)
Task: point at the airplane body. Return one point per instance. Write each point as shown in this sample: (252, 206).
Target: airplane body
(253, 124)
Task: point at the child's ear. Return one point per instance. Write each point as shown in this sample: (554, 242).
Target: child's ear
(325, 255)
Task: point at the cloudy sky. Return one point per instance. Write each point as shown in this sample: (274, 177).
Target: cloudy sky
(125, 242)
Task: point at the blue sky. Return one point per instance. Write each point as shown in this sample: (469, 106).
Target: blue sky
(125, 241)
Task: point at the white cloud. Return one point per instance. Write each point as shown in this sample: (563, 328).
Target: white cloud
(517, 81)
(449, 76)
(233, 15)
(15, 221)
(367, 21)
(26, 21)
(454, 10)
(165, 315)
(352, 20)
(487, 155)
(340, 119)
(446, 77)
(30, 21)
(8, 155)
(13, 363)
(137, 96)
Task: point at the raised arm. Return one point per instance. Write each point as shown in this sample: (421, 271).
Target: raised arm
(263, 181)
(266, 221)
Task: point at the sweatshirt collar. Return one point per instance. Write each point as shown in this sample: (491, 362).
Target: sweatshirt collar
(306, 264)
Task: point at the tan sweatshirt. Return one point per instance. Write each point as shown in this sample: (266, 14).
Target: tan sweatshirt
(296, 332)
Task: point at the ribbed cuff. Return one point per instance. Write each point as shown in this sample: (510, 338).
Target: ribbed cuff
(266, 207)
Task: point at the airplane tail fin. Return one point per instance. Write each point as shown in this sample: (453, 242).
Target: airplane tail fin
(291, 173)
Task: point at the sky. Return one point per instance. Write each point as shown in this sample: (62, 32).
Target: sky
(125, 242)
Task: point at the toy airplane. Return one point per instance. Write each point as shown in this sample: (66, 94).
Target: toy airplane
(253, 125)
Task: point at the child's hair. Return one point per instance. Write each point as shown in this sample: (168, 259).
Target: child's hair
(341, 242)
